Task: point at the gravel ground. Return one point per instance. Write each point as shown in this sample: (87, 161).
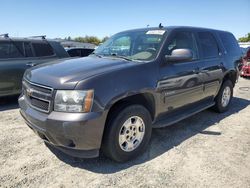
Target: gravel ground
(206, 150)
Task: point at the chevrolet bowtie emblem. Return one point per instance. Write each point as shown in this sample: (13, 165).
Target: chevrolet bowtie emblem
(29, 92)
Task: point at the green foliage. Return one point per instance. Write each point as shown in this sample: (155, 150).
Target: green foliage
(245, 39)
(88, 39)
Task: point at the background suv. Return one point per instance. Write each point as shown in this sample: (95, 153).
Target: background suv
(19, 54)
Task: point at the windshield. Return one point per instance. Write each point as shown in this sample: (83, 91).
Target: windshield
(133, 45)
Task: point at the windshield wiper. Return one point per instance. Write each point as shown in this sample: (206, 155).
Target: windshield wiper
(93, 53)
(122, 57)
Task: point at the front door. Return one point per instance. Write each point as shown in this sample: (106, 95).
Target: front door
(180, 83)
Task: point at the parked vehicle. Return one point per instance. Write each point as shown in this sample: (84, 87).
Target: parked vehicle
(19, 54)
(137, 80)
(79, 52)
(245, 70)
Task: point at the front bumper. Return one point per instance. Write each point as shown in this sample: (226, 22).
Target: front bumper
(76, 134)
(245, 71)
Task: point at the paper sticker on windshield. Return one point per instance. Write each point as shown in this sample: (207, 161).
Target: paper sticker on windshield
(155, 32)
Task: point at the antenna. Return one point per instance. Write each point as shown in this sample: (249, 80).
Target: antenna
(160, 26)
(5, 35)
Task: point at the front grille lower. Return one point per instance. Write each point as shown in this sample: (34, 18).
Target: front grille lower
(38, 96)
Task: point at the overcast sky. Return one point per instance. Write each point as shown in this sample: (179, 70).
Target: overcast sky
(63, 18)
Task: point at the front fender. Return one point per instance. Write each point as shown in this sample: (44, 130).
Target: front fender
(118, 84)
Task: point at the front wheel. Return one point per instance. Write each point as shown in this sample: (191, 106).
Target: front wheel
(224, 97)
(127, 133)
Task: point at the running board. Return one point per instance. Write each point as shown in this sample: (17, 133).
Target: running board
(176, 117)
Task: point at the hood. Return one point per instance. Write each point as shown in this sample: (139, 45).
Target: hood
(65, 74)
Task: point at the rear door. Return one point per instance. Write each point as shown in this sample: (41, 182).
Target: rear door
(16, 57)
(213, 62)
(12, 66)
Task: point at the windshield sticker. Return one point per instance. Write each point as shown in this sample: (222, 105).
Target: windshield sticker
(155, 32)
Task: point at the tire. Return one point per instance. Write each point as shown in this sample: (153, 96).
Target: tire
(119, 137)
(220, 106)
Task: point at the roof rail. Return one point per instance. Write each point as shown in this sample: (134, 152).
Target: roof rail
(39, 36)
(5, 35)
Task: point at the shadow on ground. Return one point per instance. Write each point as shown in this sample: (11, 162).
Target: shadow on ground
(162, 140)
(8, 103)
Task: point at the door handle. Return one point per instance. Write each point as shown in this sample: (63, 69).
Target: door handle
(30, 64)
(196, 71)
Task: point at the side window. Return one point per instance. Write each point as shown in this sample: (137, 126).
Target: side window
(43, 49)
(74, 53)
(4, 50)
(183, 40)
(209, 47)
(230, 43)
(28, 50)
(11, 50)
(86, 52)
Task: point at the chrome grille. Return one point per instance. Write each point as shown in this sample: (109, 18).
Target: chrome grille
(38, 96)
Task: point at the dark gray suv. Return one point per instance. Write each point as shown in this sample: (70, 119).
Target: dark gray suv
(19, 54)
(137, 80)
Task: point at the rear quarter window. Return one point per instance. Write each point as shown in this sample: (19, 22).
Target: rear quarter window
(229, 42)
(43, 49)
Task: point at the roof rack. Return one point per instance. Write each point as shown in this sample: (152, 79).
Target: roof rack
(5, 35)
(39, 36)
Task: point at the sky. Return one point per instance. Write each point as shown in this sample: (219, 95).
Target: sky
(63, 18)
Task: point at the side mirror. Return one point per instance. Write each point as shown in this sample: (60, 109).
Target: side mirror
(180, 55)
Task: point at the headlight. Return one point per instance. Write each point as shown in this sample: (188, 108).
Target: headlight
(73, 100)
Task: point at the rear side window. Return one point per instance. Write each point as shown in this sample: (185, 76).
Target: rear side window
(208, 44)
(11, 50)
(43, 49)
(230, 43)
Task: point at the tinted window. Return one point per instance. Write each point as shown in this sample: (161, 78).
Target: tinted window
(43, 49)
(28, 50)
(11, 50)
(230, 43)
(86, 52)
(209, 47)
(183, 40)
(74, 53)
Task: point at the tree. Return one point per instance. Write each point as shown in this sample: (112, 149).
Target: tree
(104, 39)
(245, 39)
(88, 39)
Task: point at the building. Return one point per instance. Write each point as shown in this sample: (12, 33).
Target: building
(244, 44)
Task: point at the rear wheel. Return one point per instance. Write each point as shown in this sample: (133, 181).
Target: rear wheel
(224, 97)
(127, 134)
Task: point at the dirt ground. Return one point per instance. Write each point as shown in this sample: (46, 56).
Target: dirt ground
(206, 150)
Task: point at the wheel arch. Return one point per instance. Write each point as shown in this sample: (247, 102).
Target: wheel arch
(145, 99)
(232, 76)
